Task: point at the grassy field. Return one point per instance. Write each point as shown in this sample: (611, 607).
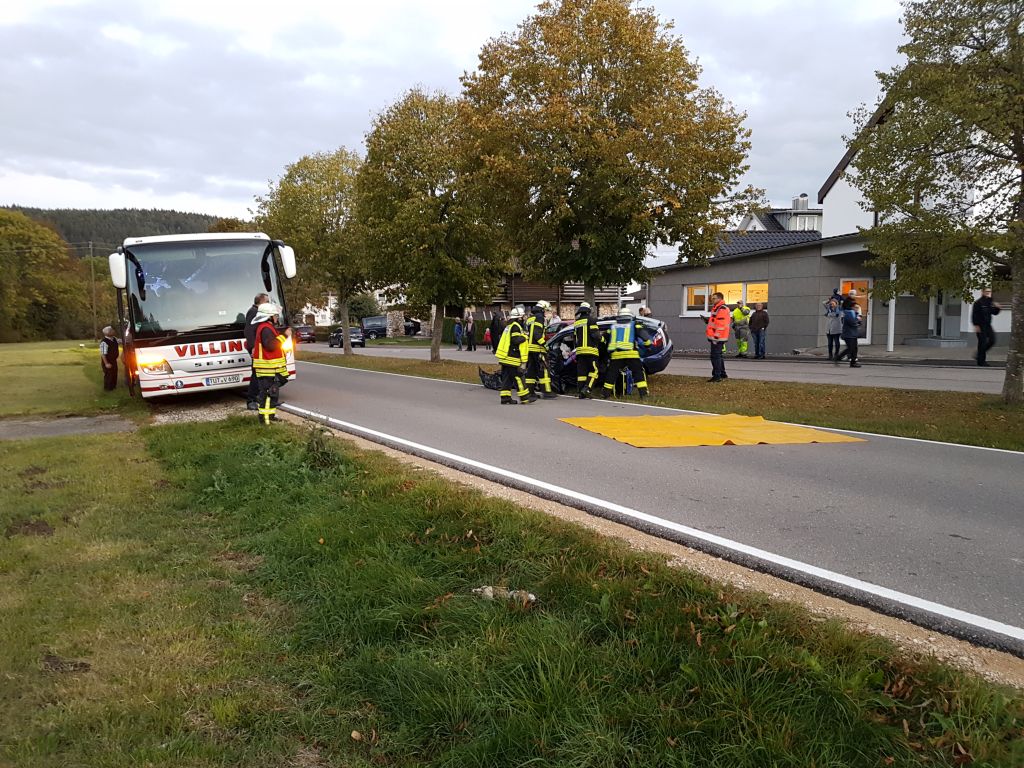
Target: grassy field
(955, 417)
(58, 378)
(222, 594)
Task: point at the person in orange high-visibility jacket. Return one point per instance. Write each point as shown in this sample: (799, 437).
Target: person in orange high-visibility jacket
(718, 333)
(268, 360)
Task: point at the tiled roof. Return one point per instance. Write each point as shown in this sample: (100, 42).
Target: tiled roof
(769, 222)
(732, 243)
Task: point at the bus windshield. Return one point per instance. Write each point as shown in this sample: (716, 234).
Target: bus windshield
(198, 286)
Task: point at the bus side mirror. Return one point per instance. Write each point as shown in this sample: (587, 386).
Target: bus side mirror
(287, 260)
(118, 270)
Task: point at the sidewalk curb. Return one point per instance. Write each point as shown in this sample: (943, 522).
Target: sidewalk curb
(893, 361)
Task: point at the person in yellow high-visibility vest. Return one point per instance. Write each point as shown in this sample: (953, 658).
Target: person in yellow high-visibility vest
(537, 377)
(512, 353)
(268, 360)
(587, 338)
(623, 340)
(741, 327)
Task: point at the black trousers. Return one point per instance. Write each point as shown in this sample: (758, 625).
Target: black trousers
(717, 360)
(615, 366)
(986, 340)
(268, 397)
(510, 379)
(537, 377)
(470, 339)
(850, 351)
(833, 345)
(110, 377)
(253, 393)
(586, 371)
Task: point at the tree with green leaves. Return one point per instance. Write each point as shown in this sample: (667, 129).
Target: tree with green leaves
(941, 160)
(361, 305)
(44, 293)
(423, 219)
(311, 208)
(592, 129)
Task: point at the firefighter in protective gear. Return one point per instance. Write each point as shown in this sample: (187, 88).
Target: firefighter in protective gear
(512, 353)
(741, 327)
(268, 360)
(588, 336)
(537, 376)
(624, 341)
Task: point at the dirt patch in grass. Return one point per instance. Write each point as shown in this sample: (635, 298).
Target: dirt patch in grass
(29, 528)
(53, 663)
(242, 562)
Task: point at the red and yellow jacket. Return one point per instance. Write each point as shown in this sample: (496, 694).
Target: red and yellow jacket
(718, 323)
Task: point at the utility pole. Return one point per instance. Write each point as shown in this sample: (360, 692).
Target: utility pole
(92, 272)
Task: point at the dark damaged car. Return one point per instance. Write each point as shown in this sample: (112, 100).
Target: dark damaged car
(562, 354)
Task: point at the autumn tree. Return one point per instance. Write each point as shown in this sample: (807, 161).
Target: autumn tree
(425, 223)
(594, 132)
(941, 160)
(43, 290)
(310, 208)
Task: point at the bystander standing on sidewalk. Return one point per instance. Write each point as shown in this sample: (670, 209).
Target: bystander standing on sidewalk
(469, 331)
(458, 334)
(833, 324)
(109, 353)
(981, 318)
(717, 333)
(851, 328)
(759, 330)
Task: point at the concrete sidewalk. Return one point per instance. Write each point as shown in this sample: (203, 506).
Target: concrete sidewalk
(877, 354)
(895, 372)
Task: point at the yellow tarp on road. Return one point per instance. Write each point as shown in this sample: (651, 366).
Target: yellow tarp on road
(693, 430)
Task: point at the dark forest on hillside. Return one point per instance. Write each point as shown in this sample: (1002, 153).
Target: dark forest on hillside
(107, 229)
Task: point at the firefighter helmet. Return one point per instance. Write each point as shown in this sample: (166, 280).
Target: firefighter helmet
(544, 305)
(517, 312)
(583, 310)
(269, 309)
(624, 314)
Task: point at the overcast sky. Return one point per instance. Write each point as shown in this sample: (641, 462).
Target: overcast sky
(197, 105)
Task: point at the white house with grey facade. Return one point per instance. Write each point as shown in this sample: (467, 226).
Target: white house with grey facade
(791, 260)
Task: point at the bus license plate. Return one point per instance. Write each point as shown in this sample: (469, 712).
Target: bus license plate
(215, 380)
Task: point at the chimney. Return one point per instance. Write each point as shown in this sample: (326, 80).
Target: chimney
(800, 203)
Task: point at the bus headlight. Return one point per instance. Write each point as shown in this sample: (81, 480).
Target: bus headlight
(152, 363)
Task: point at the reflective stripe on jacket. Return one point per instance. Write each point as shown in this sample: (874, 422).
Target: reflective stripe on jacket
(268, 362)
(535, 335)
(741, 316)
(512, 348)
(622, 341)
(718, 323)
(587, 334)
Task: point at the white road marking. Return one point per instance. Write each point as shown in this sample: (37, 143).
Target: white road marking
(699, 413)
(770, 557)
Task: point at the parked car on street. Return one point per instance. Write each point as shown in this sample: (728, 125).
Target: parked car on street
(304, 333)
(355, 337)
(375, 327)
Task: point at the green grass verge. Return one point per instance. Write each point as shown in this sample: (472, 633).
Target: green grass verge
(249, 597)
(57, 378)
(954, 417)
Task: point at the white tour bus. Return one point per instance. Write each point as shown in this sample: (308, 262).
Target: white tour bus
(182, 301)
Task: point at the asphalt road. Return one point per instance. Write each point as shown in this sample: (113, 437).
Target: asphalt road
(899, 376)
(938, 522)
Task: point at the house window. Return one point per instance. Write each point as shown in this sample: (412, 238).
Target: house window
(696, 298)
(733, 292)
(757, 292)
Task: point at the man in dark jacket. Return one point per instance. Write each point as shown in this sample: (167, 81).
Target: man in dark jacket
(108, 358)
(759, 329)
(981, 317)
(252, 394)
